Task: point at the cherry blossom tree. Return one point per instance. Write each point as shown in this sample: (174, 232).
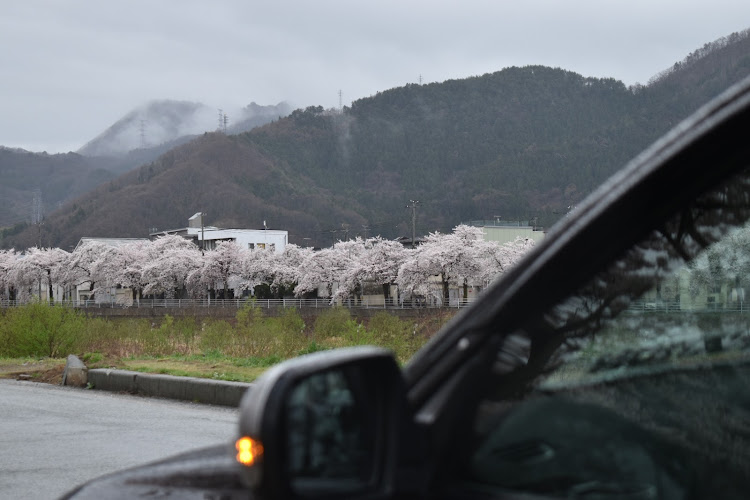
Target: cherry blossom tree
(82, 264)
(216, 267)
(289, 267)
(453, 258)
(497, 259)
(171, 259)
(458, 259)
(38, 270)
(128, 266)
(256, 266)
(280, 272)
(171, 265)
(328, 266)
(379, 262)
(7, 259)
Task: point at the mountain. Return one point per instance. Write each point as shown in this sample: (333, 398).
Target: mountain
(166, 121)
(61, 177)
(254, 115)
(519, 143)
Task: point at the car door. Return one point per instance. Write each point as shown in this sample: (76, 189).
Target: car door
(612, 362)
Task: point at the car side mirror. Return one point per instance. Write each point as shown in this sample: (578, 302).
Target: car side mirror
(323, 425)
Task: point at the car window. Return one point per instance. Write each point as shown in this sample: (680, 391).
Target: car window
(645, 391)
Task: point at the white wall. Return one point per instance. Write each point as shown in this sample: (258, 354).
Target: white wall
(258, 238)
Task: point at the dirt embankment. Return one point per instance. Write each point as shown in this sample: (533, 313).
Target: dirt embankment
(48, 371)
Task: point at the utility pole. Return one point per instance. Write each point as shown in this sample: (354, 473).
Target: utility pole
(203, 234)
(37, 212)
(413, 206)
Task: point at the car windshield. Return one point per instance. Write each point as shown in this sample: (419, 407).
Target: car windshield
(645, 388)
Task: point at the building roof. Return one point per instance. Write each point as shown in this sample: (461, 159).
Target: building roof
(113, 242)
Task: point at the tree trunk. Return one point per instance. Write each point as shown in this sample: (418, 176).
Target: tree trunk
(49, 286)
(386, 293)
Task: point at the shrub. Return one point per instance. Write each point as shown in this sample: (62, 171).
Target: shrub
(395, 334)
(216, 336)
(170, 337)
(248, 315)
(337, 323)
(40, 329)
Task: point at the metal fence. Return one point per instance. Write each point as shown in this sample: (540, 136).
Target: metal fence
(239, 303)
(636, 306)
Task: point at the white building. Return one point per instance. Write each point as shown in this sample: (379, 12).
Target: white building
(507, 231)
(208, 236)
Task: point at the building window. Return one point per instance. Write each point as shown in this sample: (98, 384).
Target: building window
(251, 246)
(262, 246)
(272, 246)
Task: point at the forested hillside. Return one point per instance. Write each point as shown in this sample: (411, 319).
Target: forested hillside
(59, 177)
(520, 143)
(62, 177)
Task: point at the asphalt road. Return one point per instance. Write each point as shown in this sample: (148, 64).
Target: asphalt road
(53, 438)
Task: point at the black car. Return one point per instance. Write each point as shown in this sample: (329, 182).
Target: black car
(612, 363)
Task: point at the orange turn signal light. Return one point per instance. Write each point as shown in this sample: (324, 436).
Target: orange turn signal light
(248, 450)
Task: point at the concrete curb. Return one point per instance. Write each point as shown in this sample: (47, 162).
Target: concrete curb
(215, 392)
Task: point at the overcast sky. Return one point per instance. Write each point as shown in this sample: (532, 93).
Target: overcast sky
(71, 68)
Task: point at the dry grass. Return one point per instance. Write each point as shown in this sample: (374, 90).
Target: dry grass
(48, 370)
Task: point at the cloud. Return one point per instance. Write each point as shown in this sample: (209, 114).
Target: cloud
(71, 69)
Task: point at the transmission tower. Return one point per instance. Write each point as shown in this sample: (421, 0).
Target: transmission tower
(341, 102)
(413, 205)
(37, 212)
(223, 120)
(143, 134)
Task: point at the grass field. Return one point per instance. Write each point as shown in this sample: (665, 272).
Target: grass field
(35, 340)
